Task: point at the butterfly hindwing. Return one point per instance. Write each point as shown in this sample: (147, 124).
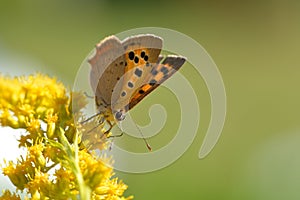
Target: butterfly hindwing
(108, 64)
(159, 73)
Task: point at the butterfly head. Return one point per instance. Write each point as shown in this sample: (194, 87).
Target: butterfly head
(119, 115)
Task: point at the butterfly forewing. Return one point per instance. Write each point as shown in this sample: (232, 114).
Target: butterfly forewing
(140, 53)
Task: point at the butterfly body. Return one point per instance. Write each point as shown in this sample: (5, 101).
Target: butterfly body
(124, 72)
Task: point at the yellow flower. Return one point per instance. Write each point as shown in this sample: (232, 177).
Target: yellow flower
(7, 195)
(36, 155)
(111, 189)
(40, 185)
(51, 120)
(58, 164)
(94, 171)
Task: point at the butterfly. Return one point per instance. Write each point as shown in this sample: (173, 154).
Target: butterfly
(125, 72)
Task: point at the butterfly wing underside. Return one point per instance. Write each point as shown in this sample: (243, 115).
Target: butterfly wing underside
(123, 73)
(144, 71)
(108, 65)
(141, 52)
(159, 74)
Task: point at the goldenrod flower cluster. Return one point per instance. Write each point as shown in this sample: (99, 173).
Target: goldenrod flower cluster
(58, 164)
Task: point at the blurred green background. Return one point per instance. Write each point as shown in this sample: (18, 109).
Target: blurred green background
(256, 46)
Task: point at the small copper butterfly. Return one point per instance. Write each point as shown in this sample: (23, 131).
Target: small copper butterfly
(124, 72)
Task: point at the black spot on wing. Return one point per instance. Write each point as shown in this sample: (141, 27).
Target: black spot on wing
(152, 82)
(131, 55)
(146, 58)
(138, 72)
(130, 84)
(164, 70)
(154, 72)
(136, 59)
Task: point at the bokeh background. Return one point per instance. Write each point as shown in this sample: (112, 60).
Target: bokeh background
(256, 47)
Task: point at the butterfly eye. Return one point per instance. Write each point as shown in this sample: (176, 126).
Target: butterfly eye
(119, 115)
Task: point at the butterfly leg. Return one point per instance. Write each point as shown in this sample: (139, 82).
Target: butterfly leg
(120, 135)
(89, 131)
(110, 127)
(88, 96)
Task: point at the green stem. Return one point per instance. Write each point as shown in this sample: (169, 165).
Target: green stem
(84, 190)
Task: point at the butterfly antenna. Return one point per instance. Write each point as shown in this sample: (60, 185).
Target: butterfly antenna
(147, 144)
(91, 117)
(92, 129)
(88, 96)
